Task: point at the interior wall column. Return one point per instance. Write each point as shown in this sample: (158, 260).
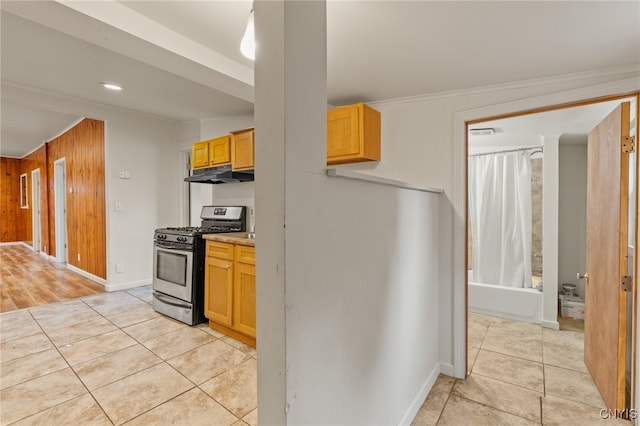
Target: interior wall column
(550, 202)
(290, 136)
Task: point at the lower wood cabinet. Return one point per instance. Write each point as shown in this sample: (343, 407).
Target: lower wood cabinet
(230, 290)
(218, 291)
(244, 299)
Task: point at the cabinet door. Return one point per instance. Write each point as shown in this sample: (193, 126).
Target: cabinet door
(200, 155)
(244, 306)
(218, 290)
(245, 254)
(343, 134)
(242, 150)
(220, 151)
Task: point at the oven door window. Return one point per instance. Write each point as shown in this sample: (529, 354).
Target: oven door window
(173, 272)
(172, 267)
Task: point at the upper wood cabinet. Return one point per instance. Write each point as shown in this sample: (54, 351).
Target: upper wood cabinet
(220, 151)
(353, 134)
(242, 152)
(200, 155)
(214, 152)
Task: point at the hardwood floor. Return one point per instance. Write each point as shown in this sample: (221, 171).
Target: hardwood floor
(28, 279)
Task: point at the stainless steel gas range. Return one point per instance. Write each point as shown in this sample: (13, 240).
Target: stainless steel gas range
(178, 262)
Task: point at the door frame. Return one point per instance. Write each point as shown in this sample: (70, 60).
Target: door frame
(608, 91)
(36, 224)
(60, 201)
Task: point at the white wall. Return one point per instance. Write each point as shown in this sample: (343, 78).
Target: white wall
(423, 142)
(362, 328)
(145, 148)
(572, 229)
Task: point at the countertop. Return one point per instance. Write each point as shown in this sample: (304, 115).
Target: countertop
(240, 238)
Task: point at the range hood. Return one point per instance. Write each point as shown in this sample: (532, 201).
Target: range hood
(220, 174)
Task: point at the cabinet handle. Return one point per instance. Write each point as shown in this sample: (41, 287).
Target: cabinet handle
(228, 267)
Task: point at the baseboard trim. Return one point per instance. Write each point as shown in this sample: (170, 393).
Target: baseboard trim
(417, 402)
(126, 286)
(447, 369)
(554, 325)
(87, 275)
(17, 243)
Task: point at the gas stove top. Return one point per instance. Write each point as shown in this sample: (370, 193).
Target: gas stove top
(199, 230)
(215, 220)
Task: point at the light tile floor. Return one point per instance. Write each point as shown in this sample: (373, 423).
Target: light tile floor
(110, 359)
(521, 374)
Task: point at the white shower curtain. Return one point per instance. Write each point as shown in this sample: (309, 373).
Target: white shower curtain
(500, 214)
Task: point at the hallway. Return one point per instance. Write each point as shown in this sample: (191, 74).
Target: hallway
(521, 374)
(27, 279)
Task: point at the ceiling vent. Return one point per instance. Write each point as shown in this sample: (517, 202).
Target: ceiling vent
(482, 132)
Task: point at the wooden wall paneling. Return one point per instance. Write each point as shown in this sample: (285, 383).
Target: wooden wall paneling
(83, 149)
(10, 211)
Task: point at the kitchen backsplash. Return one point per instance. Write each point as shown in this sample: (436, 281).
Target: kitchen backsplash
(231, 194)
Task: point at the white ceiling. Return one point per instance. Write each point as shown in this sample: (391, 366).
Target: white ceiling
(180, 60)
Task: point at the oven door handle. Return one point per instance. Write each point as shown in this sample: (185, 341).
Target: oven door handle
(171, 302)
(173, 246)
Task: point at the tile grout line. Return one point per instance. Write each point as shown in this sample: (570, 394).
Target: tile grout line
(510, 355)
(165, 361)
(245, 357)
(488, 406)
(509, 383)
(72, 370)
(445, 404)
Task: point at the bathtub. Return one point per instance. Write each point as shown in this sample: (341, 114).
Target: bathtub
(520, 304)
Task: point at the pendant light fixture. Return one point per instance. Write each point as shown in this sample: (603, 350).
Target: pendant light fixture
(248, 43)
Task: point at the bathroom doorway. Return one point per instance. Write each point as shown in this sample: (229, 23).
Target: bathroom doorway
(547, 153)
(564, 179)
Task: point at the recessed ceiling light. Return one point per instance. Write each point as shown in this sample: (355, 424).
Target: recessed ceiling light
(111, 86)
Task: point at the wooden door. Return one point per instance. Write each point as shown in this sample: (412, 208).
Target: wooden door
(607, 239)
(218, 290)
